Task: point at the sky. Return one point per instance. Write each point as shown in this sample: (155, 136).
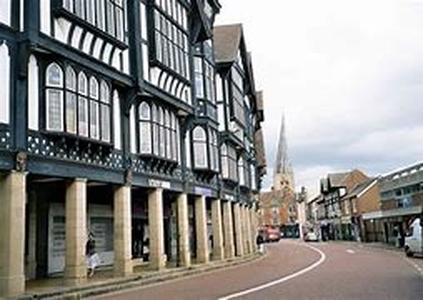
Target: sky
(347, 74)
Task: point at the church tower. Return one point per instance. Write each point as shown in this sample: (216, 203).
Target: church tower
(283, 175)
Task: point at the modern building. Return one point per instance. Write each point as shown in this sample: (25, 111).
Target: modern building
(278, 207)
(401, 201)
(132, 121)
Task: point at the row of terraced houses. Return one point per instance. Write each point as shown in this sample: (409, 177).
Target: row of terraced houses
(134, 122)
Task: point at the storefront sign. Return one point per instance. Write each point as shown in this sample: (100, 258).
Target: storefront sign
(159, 184)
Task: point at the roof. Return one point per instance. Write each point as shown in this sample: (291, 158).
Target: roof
(227, 39)
(337, 179)
(361, 188)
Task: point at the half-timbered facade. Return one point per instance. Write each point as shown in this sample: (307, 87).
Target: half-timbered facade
(111, 127)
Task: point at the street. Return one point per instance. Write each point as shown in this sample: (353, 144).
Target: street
(294, 270)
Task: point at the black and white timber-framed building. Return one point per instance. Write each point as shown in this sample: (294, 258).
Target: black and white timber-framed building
(135, 122)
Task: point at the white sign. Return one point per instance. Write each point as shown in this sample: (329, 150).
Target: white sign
(159, 183)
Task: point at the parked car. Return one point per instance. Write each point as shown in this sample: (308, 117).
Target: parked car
(414, 239)
(270, 234)
(311, 237)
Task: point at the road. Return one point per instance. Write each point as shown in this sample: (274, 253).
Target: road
(295, 270)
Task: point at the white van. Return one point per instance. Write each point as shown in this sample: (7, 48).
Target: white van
(414, 239)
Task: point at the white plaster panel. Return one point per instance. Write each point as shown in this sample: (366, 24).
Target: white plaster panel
(33, 95)
(4, 84)
(86, 46)
(76, 37)
(45, 17)
(61, 30)
(117, 132)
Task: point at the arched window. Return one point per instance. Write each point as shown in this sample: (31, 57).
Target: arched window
(241, 171)
(105, 109)
(71, 101)
(54, 97)
(145, 128)
(225, 161)
(200, 147)
(168, 130)
(94, 109)
(214, 151)
(174, 139)
(82, 104)
(156, 126)
(162, 133)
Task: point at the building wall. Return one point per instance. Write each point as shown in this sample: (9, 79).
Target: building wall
(369, 201)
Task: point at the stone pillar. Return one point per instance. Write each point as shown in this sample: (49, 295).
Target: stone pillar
(31, 268)
(122, 236)
(249, 234)
(245, 231)
(156, 231)
(253, 229)
(218, 253)
(228, 230)
(76, 231)
(239, 242)
(12, 233)
(183, 231)
(201, 229)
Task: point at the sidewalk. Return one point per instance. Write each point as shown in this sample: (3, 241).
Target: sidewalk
(104, 282)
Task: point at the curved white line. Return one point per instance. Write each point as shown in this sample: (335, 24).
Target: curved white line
(281, 280)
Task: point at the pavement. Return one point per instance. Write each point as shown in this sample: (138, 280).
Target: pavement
(298, 270)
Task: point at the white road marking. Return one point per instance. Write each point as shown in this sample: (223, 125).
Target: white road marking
(350, 251)
(280, 280)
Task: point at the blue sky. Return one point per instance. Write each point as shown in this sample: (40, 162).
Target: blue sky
(347, 74)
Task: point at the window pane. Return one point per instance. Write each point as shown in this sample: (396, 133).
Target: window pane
(70, 79)
(83, 116)
(93, 88)
(94, 130)
(82, 84)
(54, 110)
(54, 75)
(105, 123)
(71, 112)
(145, 137)
(105, 92)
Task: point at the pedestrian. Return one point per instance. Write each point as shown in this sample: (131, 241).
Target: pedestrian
(93, 259)
(260, 242)
(146, 249)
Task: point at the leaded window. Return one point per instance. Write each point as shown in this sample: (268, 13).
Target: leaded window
(145, 134)
(214, 150)
(171, 36)
(54, 97)
(107, 15)
(241, 171)
(199, 138)
(204, 72)
(76, 104)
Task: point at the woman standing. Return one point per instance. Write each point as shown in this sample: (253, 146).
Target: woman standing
(93, 260)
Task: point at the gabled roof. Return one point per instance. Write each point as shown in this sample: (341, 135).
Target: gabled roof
(337, 179)
(361, 188)
(227, 39)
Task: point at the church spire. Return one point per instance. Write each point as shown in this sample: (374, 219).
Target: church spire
(283, 169)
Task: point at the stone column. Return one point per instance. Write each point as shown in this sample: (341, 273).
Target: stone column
(218, 253)
(183, 231)
(31, 268)
(12, 233)
(245, 231)
(156, 230)
(122, 236)
(228, 230)
(249, 234)
(253, 229)
(239, 242)
(201, 229)
(76, 231)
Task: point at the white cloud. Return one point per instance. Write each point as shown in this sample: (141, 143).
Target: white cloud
(347, 73)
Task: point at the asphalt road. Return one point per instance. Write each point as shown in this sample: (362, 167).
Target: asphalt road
(294, 270)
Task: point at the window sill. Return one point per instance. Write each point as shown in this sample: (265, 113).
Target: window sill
(62, 12)
(67, 138)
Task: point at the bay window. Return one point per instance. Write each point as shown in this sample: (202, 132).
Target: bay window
(229, 162)
(171, 36)
(158, 132)
(106, 15)
(238, 111)
(77, 105)
(214, 150)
